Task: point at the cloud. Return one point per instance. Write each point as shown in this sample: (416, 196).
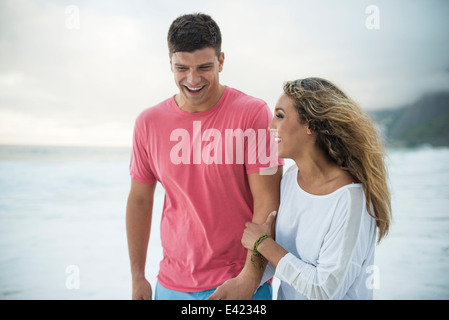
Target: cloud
(105, 71)
(79, 72)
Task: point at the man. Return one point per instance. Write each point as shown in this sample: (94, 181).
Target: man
(205, 146)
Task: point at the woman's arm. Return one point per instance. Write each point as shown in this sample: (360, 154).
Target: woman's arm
(272, 251)
(338, 264)
(269, 248)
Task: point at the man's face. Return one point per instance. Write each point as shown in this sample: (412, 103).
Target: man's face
(196, 75)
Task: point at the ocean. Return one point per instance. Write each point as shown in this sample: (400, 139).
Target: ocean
(62, 225)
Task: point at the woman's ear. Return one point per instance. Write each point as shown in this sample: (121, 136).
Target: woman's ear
(308, 130)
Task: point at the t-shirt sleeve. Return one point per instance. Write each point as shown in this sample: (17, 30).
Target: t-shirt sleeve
(261, 149)
(140, 169)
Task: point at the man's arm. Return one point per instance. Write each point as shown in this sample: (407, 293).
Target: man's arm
(266, 197)
(139, 211)
(265, 190)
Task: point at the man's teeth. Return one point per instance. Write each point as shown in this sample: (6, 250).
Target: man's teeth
(194, 89)
(277, 139)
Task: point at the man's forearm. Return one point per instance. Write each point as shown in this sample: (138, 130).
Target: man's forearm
(252, 274)
(138, 227)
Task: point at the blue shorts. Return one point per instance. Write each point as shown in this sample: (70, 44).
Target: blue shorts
(264, 292)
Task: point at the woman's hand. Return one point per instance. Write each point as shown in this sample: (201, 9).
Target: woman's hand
(254, 231)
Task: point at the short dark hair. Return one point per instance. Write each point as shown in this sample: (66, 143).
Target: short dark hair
(192, 32)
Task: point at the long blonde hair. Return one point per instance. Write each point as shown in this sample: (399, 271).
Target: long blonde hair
(348, 137)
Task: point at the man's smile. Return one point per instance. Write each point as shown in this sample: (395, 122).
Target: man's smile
(194, 90)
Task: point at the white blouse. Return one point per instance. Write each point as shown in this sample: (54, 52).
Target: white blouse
(330, 239)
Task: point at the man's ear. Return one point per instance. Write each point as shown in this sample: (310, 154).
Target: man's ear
(221, 62)
(171, 64)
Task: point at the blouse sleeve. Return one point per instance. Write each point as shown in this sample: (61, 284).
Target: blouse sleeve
(337, 266)
(268, 274)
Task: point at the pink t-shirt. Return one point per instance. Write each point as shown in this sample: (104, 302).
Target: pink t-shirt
(202, 160)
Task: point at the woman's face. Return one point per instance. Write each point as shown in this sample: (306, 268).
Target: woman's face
(291, 135)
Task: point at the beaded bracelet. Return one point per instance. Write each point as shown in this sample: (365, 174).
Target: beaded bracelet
(257, 253)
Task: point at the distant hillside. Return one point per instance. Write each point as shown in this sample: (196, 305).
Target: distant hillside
(424, 122)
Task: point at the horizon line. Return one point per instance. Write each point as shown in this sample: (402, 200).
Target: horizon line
(37, 145)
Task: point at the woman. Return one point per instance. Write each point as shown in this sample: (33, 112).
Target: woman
(332, 199)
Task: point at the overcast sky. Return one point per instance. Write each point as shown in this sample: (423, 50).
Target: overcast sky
(76, 72)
